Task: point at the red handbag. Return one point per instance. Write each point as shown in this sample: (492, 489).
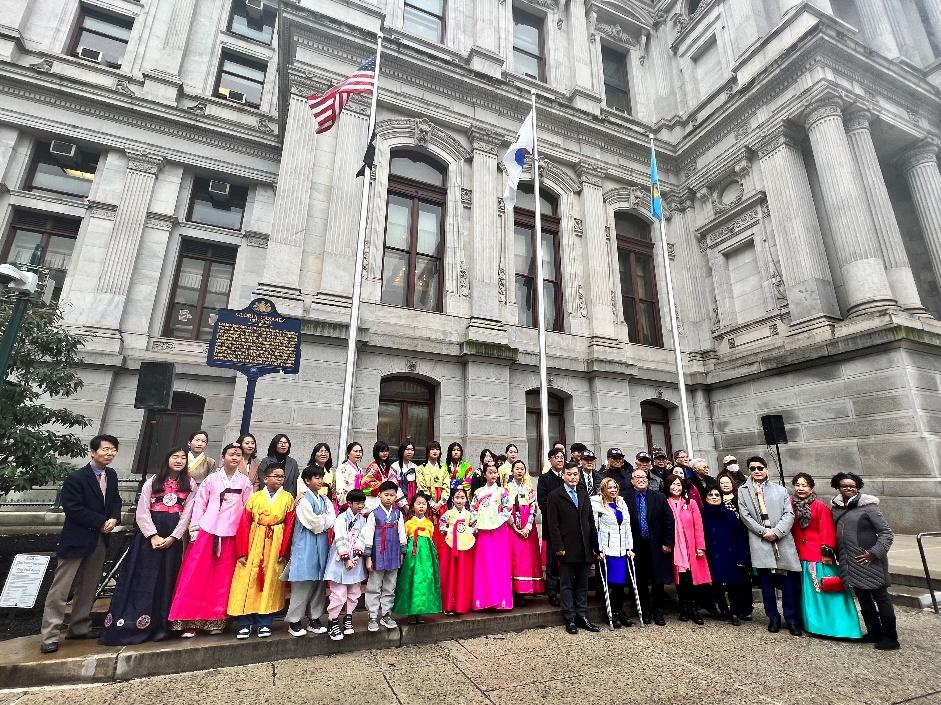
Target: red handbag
(832, 583)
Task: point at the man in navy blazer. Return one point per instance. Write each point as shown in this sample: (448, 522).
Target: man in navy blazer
(92, 507)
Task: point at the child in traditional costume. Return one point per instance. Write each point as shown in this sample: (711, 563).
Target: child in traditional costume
(493, 581)
(456, 559)
(419, 589)
(141, 602)
(346, 567)
(407, 472)
(313, 518)
(435, 482)
(349, 475)
(378, 472)
(461, 471)
(202, 588)
(384, 538)
(263, 543)
(526, 560)
(198, 464)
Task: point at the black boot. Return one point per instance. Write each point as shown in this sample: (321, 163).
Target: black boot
(694, 613)
(873, 633)
(890, 636)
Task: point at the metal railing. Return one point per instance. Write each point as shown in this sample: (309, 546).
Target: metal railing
(924, 563)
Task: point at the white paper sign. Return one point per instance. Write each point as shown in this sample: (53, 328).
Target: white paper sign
(24, 580)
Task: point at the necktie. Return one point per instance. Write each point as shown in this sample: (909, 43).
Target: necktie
(642, 515)
(103, 483)
(574, 495)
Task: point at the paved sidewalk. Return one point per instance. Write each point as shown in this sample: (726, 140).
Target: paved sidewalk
(904, 558)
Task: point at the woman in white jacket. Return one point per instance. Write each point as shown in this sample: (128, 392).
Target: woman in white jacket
(613, 523)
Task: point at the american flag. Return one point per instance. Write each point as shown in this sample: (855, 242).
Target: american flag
(327, 107)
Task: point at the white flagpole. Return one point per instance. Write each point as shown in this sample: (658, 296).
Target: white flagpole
(677, 352)
(347, 408)
(540, 301)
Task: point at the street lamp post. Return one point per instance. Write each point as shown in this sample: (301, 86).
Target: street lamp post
(23, 285)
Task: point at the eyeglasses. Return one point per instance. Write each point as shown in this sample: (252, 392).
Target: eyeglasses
(277, 477)
(753, 468)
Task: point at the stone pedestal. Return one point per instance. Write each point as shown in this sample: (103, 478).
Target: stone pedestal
(859, 255)
(924, 182)
(898, 269)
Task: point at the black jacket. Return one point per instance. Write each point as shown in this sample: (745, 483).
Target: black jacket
(595, 481)
(621, 476)
(660, 524)
(546, 483)
(86, 511)
(571, 528)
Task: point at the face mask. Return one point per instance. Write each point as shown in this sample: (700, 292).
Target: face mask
(733, 467)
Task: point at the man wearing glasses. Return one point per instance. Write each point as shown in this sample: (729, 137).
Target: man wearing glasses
(768, 516)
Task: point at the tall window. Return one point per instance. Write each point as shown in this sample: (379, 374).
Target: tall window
(411, 261)
(53, 235)
(638, 279)
(537, 454)
(200, 288)
(253, 23)
(656, 427)
(217, 202)
(241, 80)
(69, 170)
(166, 429)
(616, 92)
(525, 258)
(102, 37)
(406, 410)
(425, 18)
(528, 45)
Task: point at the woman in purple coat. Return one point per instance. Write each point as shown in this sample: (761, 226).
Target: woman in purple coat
(727, 551)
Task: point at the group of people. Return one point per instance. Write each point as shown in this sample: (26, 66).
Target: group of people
(242, 538)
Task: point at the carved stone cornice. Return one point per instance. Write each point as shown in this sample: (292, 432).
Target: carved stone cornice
(422, 133)
(778, 136)
(255, 238)
(303, 83)
(925, 152)
(616, 33)
(99, 209)
(629, 197)
(484, 140)
(590, 173)
(823, 109)
(146, 163)
(160, 221)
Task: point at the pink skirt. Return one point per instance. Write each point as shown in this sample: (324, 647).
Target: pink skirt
(202, 589)
(493, 583)
(526, 560)
(457, 579)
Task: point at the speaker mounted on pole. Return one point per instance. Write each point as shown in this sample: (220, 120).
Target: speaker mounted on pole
(773, 426)
(155, 386)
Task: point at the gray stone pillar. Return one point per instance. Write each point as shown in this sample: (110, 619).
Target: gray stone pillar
(485, 297)
(596, 271)
(485, 53)
(897, 267)
(12, 23)
(857, 247)
(583, 96)
(162, 82)
(810, 294)
(877, 27)
(282, 276)
(924, 182)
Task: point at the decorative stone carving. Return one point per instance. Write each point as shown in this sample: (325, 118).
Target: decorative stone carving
(197, 108)
(777, 287)
(45, 66)
(365, 262)
(97, 209)
(581, 309)
(501, 284)
(765, 210)
(659, 392)
(773, 329)
(578, 227)
(411, 365)
(121, 86)
(255, 238)
(741, 132)
(163, 346)
(160, 221)
(728, 194)
(590, 173)
(828, 108)
(731, 342)
(616, 33)
(671, 251)
(423, 128)
(501, 206)
(680, 22)
(746, 220)
(484, 140)
(422, 133)
(463, 284)
(147, 163)
(263, 125)
(614, 305)
(466, 197)
(607, 233)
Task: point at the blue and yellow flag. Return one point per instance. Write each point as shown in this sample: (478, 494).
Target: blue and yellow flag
(656, 205)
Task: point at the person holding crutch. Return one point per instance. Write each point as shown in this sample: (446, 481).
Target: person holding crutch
(613, 524)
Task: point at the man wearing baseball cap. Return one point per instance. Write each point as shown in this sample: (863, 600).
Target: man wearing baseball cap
(618, 469)
(730, 462)
(590, 478)
(661, 465)
(644, 461)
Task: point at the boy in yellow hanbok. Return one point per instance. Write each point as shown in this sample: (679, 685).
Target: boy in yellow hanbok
(263, 543)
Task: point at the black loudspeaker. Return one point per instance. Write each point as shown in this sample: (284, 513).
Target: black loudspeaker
(154, 386)
(773, 425)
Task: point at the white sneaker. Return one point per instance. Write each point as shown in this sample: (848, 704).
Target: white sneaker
(243, 633)
(373, 624)
(388, 622)
(316, 627)
(297, 629)
(336, 632)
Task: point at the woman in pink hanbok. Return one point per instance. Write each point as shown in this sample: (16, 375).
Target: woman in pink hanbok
(526, 561)
(493, 581)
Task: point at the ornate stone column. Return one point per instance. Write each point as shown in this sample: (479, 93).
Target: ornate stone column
(898, 269)
(485, 53)
(877, 27)
(583, 95)
(924, 182)
(810, 294)
(282, 275)
(596, 272)
(162, 82)
(485, 297)
(857, 247)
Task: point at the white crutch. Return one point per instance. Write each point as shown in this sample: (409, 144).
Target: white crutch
(632, 571)
(603, 576)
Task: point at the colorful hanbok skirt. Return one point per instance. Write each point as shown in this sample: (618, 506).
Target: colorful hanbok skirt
(526, 560)
(418, 590)
(827, 613)
(202, 589)
(457, 579)
(493, 580)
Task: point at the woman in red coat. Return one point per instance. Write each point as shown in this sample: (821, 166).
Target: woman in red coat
(691, 567)
(825, 613)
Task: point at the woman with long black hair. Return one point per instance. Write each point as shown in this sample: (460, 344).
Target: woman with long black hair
(320, 457)
(279, 451)
(249, 463)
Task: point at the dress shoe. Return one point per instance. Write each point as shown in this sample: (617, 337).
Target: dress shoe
(735, 621)
(571, 627)
(615, 621)
(586, 625)
(774, 626)
(793, 629)
(554, 600)
(659, 620)
(695, 616)
(49, 647)
(90, 634)
(625, 620)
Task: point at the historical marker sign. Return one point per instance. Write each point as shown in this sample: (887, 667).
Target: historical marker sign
(256, 340)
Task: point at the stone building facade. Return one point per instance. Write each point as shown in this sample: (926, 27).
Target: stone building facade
(163, 155)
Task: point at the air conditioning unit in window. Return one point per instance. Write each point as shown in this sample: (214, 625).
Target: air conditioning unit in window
(219, 191)
(90, 55)
(236, 96)
(254, 8)
(64, 152)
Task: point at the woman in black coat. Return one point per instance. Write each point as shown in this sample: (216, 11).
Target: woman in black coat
(727, 552)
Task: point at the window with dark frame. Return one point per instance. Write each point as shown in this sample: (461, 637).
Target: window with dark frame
(524, 239)
(528, 44)
(209, 207)
(65, 174)
(425, 18)
(656, 422)
(102, 32)
(406, 410)
(254, 25)
(54, 235)
(616, 91)
(414, 239)
(241, 78)
(638, 279)
(201, 286)
(537, 454)
(164, 429)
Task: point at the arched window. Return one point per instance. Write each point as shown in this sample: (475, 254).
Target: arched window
(656, 427)
(638, 279)
(414, 240)
(537, 454)
(406, 410)
(524, 215)
(165, 429)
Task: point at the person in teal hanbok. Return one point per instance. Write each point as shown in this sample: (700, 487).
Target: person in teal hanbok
(823, 612)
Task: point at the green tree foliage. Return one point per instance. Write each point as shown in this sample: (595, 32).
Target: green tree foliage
(35, 442)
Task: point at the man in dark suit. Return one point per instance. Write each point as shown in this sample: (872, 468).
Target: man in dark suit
(549, 481)
(652, 529)
(590, 478)
(573, 535)
(92, 507)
